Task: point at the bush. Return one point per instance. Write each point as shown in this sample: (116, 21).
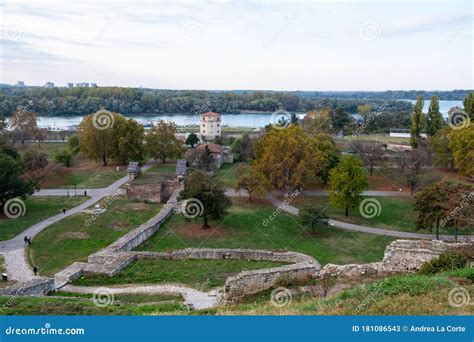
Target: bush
(74, 144)
(64, 157)
(445, 262)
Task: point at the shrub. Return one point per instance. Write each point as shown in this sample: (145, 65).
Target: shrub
(446, 261)
(64, 157)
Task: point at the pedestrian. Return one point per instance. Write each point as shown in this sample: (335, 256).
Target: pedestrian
(25, 239)
(28, 240)
(64, 210)
(85, 193)
(35, 270)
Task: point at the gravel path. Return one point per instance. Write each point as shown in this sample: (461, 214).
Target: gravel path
(370, 230)
(322, 193)
(13, 250)
(192, 297)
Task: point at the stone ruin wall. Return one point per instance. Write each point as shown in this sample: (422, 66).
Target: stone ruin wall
(401, 256)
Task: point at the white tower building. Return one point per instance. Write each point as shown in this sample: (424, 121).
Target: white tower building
(210, 127)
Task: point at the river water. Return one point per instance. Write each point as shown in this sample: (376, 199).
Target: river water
(230, 120)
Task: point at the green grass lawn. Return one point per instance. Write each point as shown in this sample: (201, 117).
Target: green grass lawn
(227, 174)
(72, 240)
(203, 274)
(244, 227)
(49, 148)
(86, 179)
(37, 209)
(383, 138)
(396, 213)
(168, 167)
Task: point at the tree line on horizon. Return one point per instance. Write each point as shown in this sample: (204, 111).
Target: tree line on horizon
(82, 101)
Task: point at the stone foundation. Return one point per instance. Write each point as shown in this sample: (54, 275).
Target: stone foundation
(34, 287)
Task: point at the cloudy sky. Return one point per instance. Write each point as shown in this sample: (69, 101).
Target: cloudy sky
(287, 45)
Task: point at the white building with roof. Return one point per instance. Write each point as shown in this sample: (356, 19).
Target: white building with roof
(210, 127)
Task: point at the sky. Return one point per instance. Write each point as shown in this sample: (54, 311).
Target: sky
(272, 45)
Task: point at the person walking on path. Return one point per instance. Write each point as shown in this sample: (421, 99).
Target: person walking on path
(25, 239)
(35, 270)
(64, 210)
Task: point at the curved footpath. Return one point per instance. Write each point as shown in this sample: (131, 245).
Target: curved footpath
(370, 230)
(13, 250)
(192, 297)
(17, 266)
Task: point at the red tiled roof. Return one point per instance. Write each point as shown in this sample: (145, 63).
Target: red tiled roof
(213, 148)
(210, 114)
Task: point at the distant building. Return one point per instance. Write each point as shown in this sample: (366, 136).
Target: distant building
(82, 85)
(70, 85)
(93, 85)
(221, 154)
(210, 127)
(403, 133)
(49, 85)
(20, 84)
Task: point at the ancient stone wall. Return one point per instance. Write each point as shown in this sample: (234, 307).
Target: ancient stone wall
(157, 193)
(401, 256)
(34, 287)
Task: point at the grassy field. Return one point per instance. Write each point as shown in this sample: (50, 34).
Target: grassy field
(383, 138)
(168, 167)
(37, 209)
(71, 239)
(398, 295)
(49, 148)
(123, 305)
(203, 274)
(396, 213)
(65, 178)
(248, 226)
(227, 174)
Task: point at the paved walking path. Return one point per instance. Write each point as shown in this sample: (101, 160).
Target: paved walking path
(196, 299)
(370, 230)
(13, 250)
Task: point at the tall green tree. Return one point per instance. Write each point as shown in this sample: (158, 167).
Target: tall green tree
(468, 103)
(434, 119)
(192, 139)
(431, 207)
(162, 143)
(417, 122)
(128, 136)
(461, 143)
(340, 119)
(313, 215)
(13, 183)
(347, 181)
(212, 203)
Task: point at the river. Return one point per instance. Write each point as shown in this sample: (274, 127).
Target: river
(230, 120)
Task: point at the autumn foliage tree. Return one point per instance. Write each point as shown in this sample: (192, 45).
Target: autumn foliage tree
(288, 158)
(253, 182)
(162, 143)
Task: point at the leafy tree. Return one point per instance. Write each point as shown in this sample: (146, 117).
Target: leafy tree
(64, 157)
(417, 159)
(289, 159)
(326, 144)
(340, 119)
(253, 182)
(417, 122)
(13, 184)
(370, 153)
(313, 215)
(96, 144)
(434, 120)
(319, 121)
(202, 159)
(347, 181)
(468, 103)
(128, 136)
(23, 123)
(440, 144)
(192, 139)
(208, 190)
(74, 144)
(461, 142)
(34, 160)
(161, 142)
(430, 205)
(246, 148)
(38, 134)
(365, 111)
